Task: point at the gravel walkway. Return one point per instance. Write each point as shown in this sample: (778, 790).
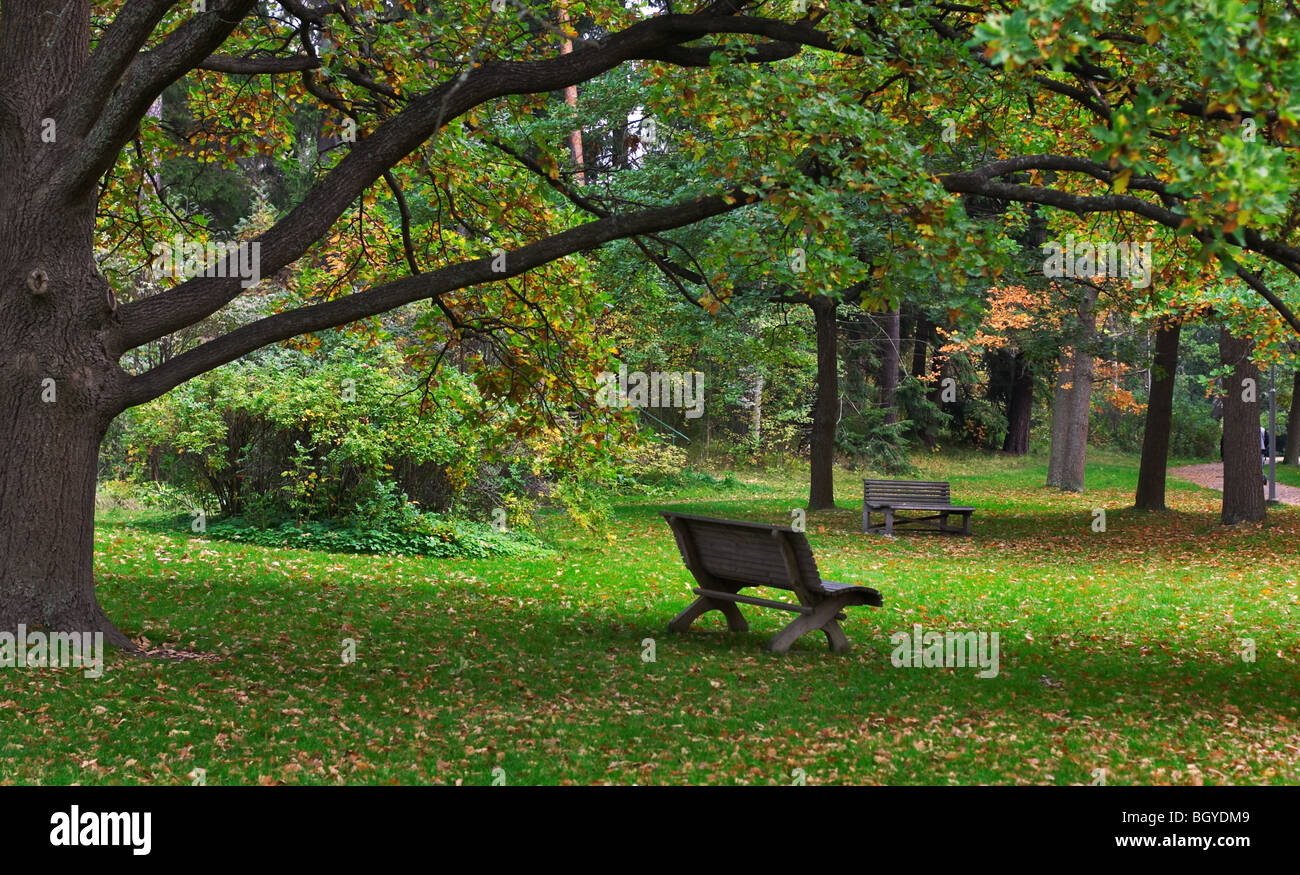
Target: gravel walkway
(1211, 477)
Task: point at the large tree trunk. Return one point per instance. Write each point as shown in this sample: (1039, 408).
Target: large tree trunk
(59, 389)
(1243, 489)
(1160, 415)
(59, 386)
(821, 491)
(1020, 406)
(889, 361)
(47, 515)
(1072, 403)
(1292, 454)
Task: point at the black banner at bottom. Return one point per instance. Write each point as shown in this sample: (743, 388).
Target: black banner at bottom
(331, 824)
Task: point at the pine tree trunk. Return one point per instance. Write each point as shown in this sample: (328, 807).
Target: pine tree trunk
(1020, 406)
(920, 343)
(1243, 489)
(889, 362)
(821, 491)
(1159, 420)
(1292, 454)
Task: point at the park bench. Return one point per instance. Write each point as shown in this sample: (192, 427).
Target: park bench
(887, 497)
(726, 556)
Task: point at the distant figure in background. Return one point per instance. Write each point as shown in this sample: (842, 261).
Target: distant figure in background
(1263, 453)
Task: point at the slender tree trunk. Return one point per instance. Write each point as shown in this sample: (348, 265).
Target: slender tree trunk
(571, 98)
(920, 344)
(1292, 454)
(1060, 417)
(889, 363)
(1020, 405)
(753, 402)
(821, 492)
(1159, 420)
(1243, 490)
(1072, 479)
(1072, 403)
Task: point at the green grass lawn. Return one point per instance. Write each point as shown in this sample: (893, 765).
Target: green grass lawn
(1120, 651)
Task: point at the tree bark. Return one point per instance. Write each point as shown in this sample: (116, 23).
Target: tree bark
(59, 390)
(1072, 403)
(920, 343)
(1020, 405)
(1292, 454)
(571, 98)
(752, 401)
(59, 385)
(1159, 419)
(1243, 490)
(47, 503)
(1060, 417)
(821, 490)
(889, 362)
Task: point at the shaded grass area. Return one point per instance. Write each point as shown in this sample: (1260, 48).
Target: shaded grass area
(1120, 650)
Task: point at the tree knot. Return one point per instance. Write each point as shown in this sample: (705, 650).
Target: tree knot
(38, 281)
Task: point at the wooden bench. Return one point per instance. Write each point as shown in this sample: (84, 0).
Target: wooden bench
(726, 556)
(890, 496)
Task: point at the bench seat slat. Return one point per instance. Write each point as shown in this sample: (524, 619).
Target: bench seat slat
(918, 506)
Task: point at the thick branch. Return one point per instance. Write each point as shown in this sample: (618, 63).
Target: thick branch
(250, 66)
(407, 290)
(396, 138)
(145, 78)
(983, 181)
(113, 54)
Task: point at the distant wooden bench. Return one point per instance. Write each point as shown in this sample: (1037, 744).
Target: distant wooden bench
(887, 497)
(726, 556)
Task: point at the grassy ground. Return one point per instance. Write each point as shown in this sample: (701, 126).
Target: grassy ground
(1120, 650)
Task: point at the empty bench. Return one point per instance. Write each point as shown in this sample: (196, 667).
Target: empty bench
(726, 556)
(931, 497)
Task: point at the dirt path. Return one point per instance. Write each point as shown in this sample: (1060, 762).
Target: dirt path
(1211, 477)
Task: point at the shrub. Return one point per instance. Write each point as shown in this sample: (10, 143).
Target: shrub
(414, 534)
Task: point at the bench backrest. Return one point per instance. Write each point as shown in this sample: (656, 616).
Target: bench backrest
(934, 492)
(731, 553)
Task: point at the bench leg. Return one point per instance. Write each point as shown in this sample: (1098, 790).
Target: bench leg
(943, 523)
(835, 637)
(965, 524)
(702, 605)
(822, 617)
(889, 522)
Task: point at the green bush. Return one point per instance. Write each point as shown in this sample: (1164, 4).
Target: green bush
(314, 436)
(416, 534)
(1194, 433)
